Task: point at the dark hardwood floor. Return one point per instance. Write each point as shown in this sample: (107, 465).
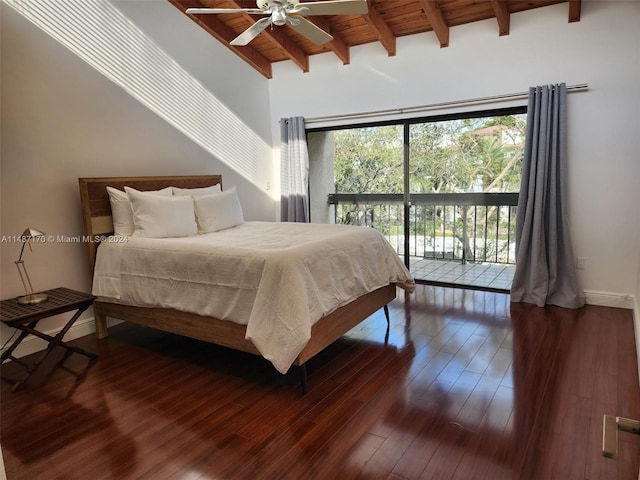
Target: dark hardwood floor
(468, 387)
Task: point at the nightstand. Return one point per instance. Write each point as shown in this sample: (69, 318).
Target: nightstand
(26, 317)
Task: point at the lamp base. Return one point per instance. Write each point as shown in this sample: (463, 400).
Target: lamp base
(33, 299)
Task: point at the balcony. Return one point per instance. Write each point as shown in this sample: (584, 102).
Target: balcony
(454, 239)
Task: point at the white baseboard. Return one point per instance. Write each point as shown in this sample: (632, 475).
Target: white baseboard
(80, 328)
(608, 299)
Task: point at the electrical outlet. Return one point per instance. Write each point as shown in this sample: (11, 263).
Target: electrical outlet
(581, 263)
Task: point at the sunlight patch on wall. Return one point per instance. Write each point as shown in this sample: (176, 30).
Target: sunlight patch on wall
(100, 34)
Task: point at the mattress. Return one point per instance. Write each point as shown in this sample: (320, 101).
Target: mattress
(278, 279)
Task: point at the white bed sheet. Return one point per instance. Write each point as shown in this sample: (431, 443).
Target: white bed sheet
(276, 278)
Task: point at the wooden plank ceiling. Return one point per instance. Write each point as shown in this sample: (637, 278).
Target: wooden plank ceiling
(385, 21)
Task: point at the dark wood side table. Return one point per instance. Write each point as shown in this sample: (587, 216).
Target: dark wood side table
(26, 317)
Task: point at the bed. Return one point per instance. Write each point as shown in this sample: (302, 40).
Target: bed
(205, 316)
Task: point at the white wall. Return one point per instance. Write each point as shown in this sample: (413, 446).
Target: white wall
(62, 119)
(542, 48)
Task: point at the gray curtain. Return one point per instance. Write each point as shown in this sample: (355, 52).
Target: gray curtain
(294, 171)
(545, 266)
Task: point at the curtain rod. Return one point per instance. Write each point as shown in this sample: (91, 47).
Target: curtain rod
(425, 108)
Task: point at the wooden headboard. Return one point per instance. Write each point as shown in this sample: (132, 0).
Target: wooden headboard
(96, 208)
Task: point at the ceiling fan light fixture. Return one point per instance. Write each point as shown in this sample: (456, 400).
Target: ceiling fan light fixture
(279, 17)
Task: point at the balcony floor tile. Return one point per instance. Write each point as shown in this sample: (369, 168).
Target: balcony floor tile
(492, 276)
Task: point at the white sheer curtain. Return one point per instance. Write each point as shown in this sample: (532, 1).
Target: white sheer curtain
(294, 171)
(545, 266)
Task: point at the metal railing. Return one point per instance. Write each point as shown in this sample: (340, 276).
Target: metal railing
(474, 227)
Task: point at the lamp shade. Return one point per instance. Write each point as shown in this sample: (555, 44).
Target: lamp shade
(30, 233)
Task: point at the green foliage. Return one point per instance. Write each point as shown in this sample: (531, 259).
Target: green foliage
(369, 160)
(477, 154)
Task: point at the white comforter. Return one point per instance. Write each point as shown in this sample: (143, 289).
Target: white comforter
(276, 278)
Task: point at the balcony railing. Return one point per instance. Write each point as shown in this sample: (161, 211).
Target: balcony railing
(474, 227)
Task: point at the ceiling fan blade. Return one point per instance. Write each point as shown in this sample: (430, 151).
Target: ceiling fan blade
(332, 7)
(252, 32)
(200, 11)
(309, 30)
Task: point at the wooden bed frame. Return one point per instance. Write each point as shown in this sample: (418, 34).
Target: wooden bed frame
(96, 210)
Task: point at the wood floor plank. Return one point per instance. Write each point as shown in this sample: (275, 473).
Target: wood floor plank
(361, 452)
(439, 407)
(468, 386)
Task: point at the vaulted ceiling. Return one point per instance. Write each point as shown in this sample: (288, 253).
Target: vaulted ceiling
(384, 22)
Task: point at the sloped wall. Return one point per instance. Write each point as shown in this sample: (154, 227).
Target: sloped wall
(63, 119)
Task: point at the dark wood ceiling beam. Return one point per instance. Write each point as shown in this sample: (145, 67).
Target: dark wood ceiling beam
(502, 16)
(224, 34)
(279, 38)
(437, 21)
(574, 10)
(382, 30)
(375, 26)
(337, 45)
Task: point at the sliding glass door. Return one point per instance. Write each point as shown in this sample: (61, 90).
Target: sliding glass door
(439, 189)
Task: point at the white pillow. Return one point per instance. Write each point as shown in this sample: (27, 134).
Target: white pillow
(121, 212)
(158, 216)
(218, 211)
(197, 191)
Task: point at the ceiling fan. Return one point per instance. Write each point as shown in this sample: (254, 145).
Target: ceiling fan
(292, 13)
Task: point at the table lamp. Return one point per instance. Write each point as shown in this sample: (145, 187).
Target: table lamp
(30, 298)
